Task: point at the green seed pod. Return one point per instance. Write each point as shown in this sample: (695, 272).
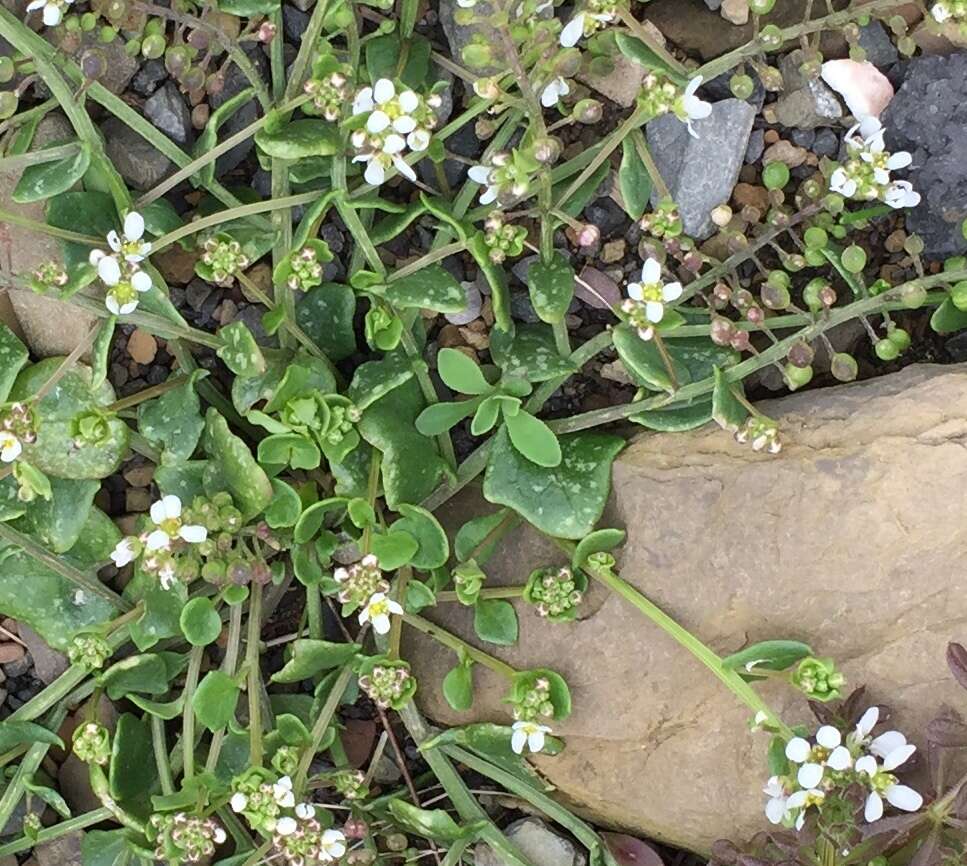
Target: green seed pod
(741, 86)
(775, 297)
(7, 70)
(775, 175)
(153, 46)
(913, 245)
(913, 296)
(958, 294)
(816, 238)
(854, 259)
(814, 258)
(886, 350)
(8, 104)
(900, 338)
(797, 377)
(761, 7)
(811, 294)
(843, 366)
(770, 37)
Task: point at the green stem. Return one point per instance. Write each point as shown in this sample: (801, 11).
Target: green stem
(254, 673)
(320, 727)
(442, 636)
(429, 258)
(157, 325)
(644, 154)
(308, 46)
(37, 157)
(230, 669)
(52, 231)
(160, 746)
(79, 822)
(147, 394)
(492, 592)
(188, 713)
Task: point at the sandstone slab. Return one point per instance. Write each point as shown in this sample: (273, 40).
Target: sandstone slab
(846, 540)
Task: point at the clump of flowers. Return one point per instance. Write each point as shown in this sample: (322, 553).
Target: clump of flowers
(762, 432)
(818, 679)
(389, 684)
(186, 838)
(262, 800)
(865, 176)
(595, 15)
(48, 277)
(645, 304)
(92, 744)
(530, 735)
(831, 765)
(17, 428)
(53, 10)
(221, 260)
(360, 582)
(301, 840)
(503, 239)
(120, 270)
(659, 95)
(948, 10)
(664, 221)
(506, 177)
(89, 650)
(554, 592)
(394, 123)
(534, 702)
(350, 784)
(302, 269)
(330, 92)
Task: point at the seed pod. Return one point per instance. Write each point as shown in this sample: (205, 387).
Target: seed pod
(843, 366)
(742, 86)
(886, 350)
(741, 342)
(588, 111)
(93, 64)
(797, 377)
(774, 297)
(801, 354)
(721, 331)
(900, 338)
(913, 296)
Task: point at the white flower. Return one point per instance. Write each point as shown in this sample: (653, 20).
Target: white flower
(466, 4)
(528, 734)
(305, 811)
(481, 174)
(554, 90)
(940, 13)
(866, 723)
(125, 551)
(652, 292)
(130, 244)
(286, 826)
(219, 835)
(901, 193)
(166, 514)
(842, 183)
(692, 107)
(125, 281)
(238, 802)
(584, 23)
(776, 806)
(10, 447)
(53, 10)
(282, 793)
(803, 800)
(377, 611)
(884, 784)
(332, 846)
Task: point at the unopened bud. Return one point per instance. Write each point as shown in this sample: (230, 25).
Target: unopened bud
(721, 331)
(801, 354)
(589, 235)
(588, 111)
(741, 342)
(722, 215)
(267, 32)
(547, 150)
(843, 366)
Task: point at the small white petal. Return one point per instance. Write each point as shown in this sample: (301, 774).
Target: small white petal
(404, 168)
(171, 505)
(363, 101)
(776, 810)
(109, 270)
(573, 31)
(112, 305)
(158, 540)
(383, 91)
(828, 737)
(651, 271)
(839, 759)
(902, 797)
(404, 124)
(797, 800)
(114, 241)
(518, 741)
(535, 742)
(193, 534)
(898, 756)
(286, 826)
(141, 281)
(866, 764)
(693, 85)
(374, 174)
(381, 623)
(52, 15)
(810, 775)
(377, 121)
(900, 159)
(798, 749)
(219, 836)
(409, 101)
(127, 308)
(654, 310)
(238, 802)
(672, 291)
(133, 226)
(873, 810)
(305, 811)
(868, 721)
(887, 742)
(478, 173)
(635, 291)
(418, 140)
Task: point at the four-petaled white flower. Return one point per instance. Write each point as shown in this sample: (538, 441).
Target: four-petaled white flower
(481, 174)
(305, 811)
(777, 805)
(802, 800)
(649, 296)
(800, 751)
(581, 24)
(10, 447)
(884, 783)
(282, 793)
(332, 846)
(901, 193)
(286, 826)
(529, 734)
(126, 550)
(120, 270)
(130, 244)
(866, 173)
(166, 514)
(53, 10)
(692, 107)
(554, 90)
(378, 610)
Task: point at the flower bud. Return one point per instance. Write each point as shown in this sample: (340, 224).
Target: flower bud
(722, 215)
(267, 32)
(587, 111)
(797, 377)
(589, 235)
(741, 341)
(547, 150)
(721, 331)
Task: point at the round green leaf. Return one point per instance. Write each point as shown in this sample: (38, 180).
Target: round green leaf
(533, 438)
(495, 621)
(200, 622)
(215, 700)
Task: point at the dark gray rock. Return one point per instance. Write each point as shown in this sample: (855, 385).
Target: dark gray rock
(803, 137)
(522, 309)
(62, 851)
(48, 663)
(461, 35)
(757, 144)
(719, 88)
(928, 118)
(139, 162)
(808, 107)
(879, 47)
(149, 77)
(714, 5)
(167, 111)
(294, 22)
(236, 82)
(701, 172)
(826, 143)
(606, 214)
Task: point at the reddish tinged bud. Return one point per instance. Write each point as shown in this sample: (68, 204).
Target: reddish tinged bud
(722, 292)
(267, 31)
(741, 342)
(721, 331)
(355, 828)
(693, 261)
(755, 315)
(801, 354)
(589, 235)
(827, 295)
(743, 299)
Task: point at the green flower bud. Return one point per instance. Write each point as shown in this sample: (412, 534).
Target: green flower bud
(92, 744)
(818, 679)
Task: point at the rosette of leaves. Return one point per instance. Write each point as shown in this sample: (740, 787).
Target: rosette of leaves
(488, 402)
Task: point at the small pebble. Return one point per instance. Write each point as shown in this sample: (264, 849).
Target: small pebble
(142, 346)
(11, 652)
(137, 499)
(613, 251)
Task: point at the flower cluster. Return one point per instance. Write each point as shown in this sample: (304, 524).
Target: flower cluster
(554, 592)
(222, 259)
(120, 270)
(762, 432)
(389, 684)
(529, 734)
(17, 429)
(948, 10)
(53, 12)
(48, 276)
(261, 801)
(645, 304)
(92, 744)
(865, 175)
(664, 221)
(394, 122)
(659, 96)
(186, 838)
(301, 841)
(503, 239)
(89, 650)
(818, 679)
(360, 582)
(535, 702)
(596, 15)
(831, 764)
(304, 268)
(351, 784)
(329, 93)
(169, 535)
(505, 178)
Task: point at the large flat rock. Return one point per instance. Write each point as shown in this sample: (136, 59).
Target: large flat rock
(851, 539)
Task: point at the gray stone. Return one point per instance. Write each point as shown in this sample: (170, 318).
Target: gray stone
(928, 118)
(50, 326)
(461, 35)
(846, 525)
(48, 663)
(294, 22)
(879, 47)
(235, 83)
(140, 163)
(757, 144)
(166, 109)
(701, 172)
(62, 851)
(118, 67)
(149, 77)
(540, 845)
(826, 143)
(810, 106)
(713, 4)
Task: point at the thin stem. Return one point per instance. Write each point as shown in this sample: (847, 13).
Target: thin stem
(21, 161)
(309, 44)
(644, 154)
(160, 746)
(254, 673)
(641, 33)
(441, 635)
(427, 259)
(147, 394)
(79, 822)
(53, 231)
(65, 366)
(320, 727)
(188, 713)
(491, 592)
(396, 624)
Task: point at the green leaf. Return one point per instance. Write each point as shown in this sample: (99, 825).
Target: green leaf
(133, 771)
(584, 194)
(382, 59)
(101, 350)
(289, 449)
(163, 710)
(431, 288)
(94, 211)
(375, 379)
(48, 796)
(634, 182)
(776, 758)
(770, 655)
(146, 673)
(58, 522)
(13, 356)
(433, 547)
(246, 8)
(215, 700)
(599, 541)
(326, 313)
(160, 216)
(288, 374)
(458, 685)
(418, 596)
(13, 734)
(947, 319)
(551, 287)
(162, 609)
(106, 848)
(435, 824)
(173, 421)
(300, 138)
(533, 438)
(441, 417)
(497, 280)
(231, 467)
(530, 354)
(311, 519)
(309, 657)
(51, 178)
(675, 419)
(727, 411)
(495, 621)
(636, 50)
(200, 622)
(644, 362)
(473, 533)
(566, 501)
(286, 506)
(240, 352)
(394, 549)
(461, 374)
